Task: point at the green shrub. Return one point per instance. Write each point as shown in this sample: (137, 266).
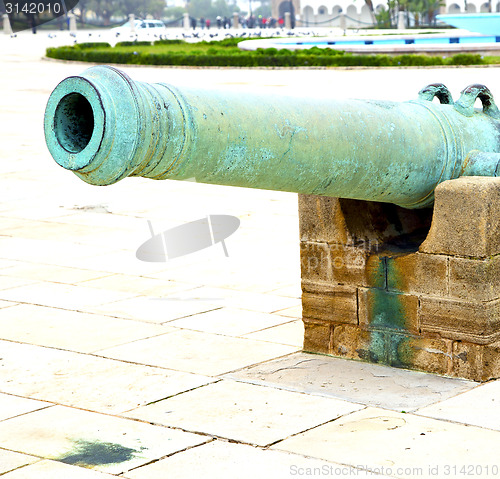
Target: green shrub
(224, 53)
(168, 42)
(417, 60)
(466, 59)
(134, 44)
(227, 42)
(84, 46)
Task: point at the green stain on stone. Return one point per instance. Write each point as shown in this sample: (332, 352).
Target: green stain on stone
(388, 329)
(387, 310)
(87, 453)
(376, 351)
(400, 353)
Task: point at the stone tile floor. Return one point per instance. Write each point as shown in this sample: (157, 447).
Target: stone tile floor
(113, 367)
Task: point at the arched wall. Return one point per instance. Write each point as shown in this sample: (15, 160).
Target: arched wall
(359, 14)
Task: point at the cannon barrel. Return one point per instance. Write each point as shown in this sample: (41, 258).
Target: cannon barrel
(104, 126)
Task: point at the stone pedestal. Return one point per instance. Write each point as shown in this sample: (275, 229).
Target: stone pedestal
(186, 22)
(382, 284)
(131, 22)
(401, 21)
(6, 24)
(343, 23)
(72, 22)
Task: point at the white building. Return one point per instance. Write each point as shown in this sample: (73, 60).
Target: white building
(357, 14)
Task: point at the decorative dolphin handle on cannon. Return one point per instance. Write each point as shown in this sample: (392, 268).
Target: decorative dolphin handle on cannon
(104, 127)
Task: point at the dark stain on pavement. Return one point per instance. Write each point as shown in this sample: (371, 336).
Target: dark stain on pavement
(97, 453)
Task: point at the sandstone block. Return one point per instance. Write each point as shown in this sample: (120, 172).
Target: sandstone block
(315, 263)
(356, 266)
(353, 342)
(475, 279)
(339, 305)
(321, 220)
(418, 273)
(426, 354)
(387, 311)
(469, 321)
(476, 362)
(318, 336)
(466, 220)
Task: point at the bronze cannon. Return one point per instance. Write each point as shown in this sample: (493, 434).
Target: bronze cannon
(104, 127)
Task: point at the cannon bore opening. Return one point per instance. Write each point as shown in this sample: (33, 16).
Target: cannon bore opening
(74, 122)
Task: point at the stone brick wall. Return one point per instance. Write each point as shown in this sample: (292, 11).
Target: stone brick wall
(382, 284)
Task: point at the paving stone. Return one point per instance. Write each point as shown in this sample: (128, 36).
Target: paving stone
(118, 262)
(99, 215)
(155, 309)
(479, 407)
(359, 382)
(197, 352)
(53, 230)
(288, 333)
(264, 303)
(5, 263)
(293, 291)
(229, 321)
(7, 304)
(220, 459)
(12, 460)
(244, 412)
(137, 284)
(57, 328)
(46, 469)
(84, 381)
(96, 441)
(8, 282)
(11, 406)
(400, 445)
(60, 295)
(256, 277)
(50, 252)
(56, 274)
(294, 312)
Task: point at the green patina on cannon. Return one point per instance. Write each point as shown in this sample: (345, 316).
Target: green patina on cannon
(104, 127)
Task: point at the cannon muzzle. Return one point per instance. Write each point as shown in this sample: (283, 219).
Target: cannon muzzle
(104, 126)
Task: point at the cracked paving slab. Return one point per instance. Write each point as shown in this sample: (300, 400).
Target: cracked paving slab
(363, 383)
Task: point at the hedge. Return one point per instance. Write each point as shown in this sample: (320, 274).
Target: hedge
(224, 53)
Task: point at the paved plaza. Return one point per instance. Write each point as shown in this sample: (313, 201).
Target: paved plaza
(192, 367)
